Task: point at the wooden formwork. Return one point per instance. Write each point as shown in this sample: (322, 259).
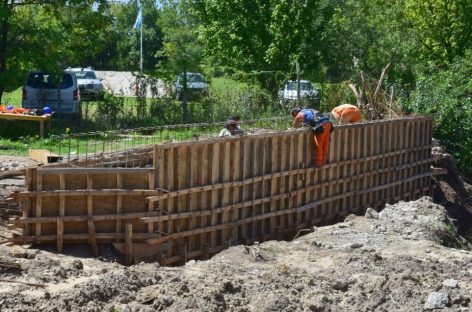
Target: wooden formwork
(200, 197)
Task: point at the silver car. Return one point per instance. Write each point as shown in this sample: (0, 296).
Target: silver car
(196, 85)
(307, 92)
(90, 87)
(43, 89)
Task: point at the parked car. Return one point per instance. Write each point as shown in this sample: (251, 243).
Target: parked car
(90, 87)
(196, 85)
(308, 92)
(43, 89)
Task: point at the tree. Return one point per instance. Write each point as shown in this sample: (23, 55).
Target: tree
(443, 27)
(261, 37)
(123, 42)
(181, 50)
(45, 34)
(447, 96)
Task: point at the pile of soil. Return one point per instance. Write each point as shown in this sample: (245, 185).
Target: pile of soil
(394, 260)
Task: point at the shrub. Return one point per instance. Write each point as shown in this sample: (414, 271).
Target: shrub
(447, 95)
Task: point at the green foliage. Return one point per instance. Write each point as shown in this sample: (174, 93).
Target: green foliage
(447, 95)
(264, 39)
(442, 27)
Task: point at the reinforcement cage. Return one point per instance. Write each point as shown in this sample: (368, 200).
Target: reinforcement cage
(201, 196)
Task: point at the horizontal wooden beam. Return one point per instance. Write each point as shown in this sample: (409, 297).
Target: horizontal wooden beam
(79, 237)
(108, 217)
(85, 192)
(57, 171)
(279, 212)
(232, 184)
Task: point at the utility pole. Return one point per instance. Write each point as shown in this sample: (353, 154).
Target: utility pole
(297, 67)
(141, 46)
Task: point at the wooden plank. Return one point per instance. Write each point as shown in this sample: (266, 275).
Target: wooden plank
(92, 237)
(68, 170)
(237, 191)
(90, 222)
(27, 229)
(226, 173)
(60, 234)
(81, 238)
(215, 199)
(129, 244)
(86, 192)
(274, 182)
(195, 180)
(119, 201)
(38, 210)
(256, 193)
(205, 173)
(247, 190)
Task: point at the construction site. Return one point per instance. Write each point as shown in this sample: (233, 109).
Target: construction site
(167, 207)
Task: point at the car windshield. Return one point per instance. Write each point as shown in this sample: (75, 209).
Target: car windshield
(85, 75)
(195, 78)
(48, 81)
(304, 86)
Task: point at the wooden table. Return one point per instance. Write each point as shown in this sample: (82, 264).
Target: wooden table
(40, 119)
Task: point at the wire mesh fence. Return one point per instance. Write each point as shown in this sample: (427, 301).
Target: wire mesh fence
(133, 147)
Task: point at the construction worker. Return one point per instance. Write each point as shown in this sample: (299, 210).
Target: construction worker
(321, 128)
(346, 113)
(231, 128)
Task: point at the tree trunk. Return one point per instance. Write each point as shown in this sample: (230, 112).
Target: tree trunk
(3, 46)
(185, 99)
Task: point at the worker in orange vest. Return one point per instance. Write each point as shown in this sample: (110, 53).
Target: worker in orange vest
(346, 113)
(321, 127)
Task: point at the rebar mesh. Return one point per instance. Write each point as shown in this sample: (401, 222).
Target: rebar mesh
(133, 147)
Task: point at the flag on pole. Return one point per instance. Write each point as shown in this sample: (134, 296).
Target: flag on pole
(139, 18)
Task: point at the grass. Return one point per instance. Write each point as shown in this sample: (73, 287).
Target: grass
(13, 98)
(226, 99)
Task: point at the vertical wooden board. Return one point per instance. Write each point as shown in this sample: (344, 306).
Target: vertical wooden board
(310, 176)
(129, 244)
(172, 175)
(159, 165)
(391, 147)
(119, 202)
(257, 193)
(274, 182)
(205, 172)
(247, 189)
(60, 234)
(284, 159)
(370, 153)
(215, 176)
(292, 182)
(237, 191)
(183, 183)
(195, 163)
(346, 203)
(300, 179)
(375, 163)
(27, 203)
(335, 187)
(38, 210)
(357, 167)
(227, 169)
(267, 165)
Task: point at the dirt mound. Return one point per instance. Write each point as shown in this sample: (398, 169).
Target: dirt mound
(391, 261)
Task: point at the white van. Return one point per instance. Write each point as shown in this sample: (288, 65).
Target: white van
(41, 90)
